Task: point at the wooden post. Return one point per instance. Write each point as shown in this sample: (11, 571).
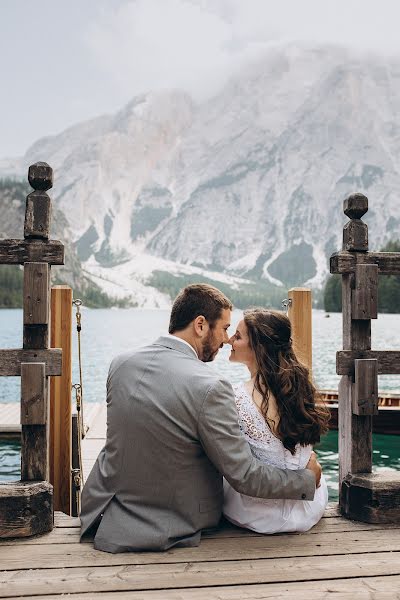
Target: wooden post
(363, 495)
(300, 315)
(34, 436)
(26, 507)
(60, 399)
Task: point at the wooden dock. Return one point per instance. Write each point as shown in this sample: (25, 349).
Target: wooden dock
(337, 558)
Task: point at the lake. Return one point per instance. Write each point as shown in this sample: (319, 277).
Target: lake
(107, 332)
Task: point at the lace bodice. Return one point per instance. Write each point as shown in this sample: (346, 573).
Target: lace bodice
(263, 443)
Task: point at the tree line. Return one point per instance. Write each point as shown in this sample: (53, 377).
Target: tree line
(388, 289)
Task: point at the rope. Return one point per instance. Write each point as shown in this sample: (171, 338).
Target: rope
(77, 473)
(78, 303)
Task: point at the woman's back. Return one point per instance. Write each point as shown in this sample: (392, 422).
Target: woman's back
(270, 516)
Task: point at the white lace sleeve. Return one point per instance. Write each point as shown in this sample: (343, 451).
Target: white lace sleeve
(263, 443)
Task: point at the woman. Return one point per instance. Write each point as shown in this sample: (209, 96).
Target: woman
(280, 419)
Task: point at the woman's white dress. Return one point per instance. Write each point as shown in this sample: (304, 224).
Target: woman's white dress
(270, 516)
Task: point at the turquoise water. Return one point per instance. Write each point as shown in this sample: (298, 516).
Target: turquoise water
(107, 332)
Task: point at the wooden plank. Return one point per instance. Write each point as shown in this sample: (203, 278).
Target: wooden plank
(37, 215)
(18, 252)
(10, 360)
(60, 399)
(191, 575)
(361, 588)
(36, 293)
(62, 534)
(33, 394)
(300, 315)
(365, 390)
(364, 300)
(388, 361)
(56, 556)
(345, 262)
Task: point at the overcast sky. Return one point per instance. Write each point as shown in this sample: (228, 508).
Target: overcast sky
(63, 61)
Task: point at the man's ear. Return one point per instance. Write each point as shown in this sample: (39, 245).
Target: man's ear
(201, 326)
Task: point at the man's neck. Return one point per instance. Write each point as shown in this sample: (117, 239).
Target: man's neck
(186, 338)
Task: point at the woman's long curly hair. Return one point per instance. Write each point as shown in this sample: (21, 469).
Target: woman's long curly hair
(279, 372)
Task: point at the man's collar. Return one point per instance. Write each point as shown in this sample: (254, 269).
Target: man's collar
(176, 343)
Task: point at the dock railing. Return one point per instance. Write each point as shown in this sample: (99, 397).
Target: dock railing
(26, 507)
(364, 496)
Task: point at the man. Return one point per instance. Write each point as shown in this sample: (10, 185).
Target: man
(172, 432)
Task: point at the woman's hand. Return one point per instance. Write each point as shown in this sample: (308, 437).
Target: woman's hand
(314, 466)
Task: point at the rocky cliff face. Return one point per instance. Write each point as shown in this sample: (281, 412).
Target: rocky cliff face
(249, 183)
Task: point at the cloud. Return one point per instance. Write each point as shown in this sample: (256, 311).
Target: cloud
(197, 44)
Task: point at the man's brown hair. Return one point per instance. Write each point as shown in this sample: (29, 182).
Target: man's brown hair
(195, 300)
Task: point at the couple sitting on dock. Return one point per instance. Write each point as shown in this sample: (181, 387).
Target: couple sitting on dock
(183, 446)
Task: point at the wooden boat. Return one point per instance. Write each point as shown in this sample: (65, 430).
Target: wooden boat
(387, 421)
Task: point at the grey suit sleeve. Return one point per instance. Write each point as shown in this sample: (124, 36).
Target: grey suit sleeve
(229, 451)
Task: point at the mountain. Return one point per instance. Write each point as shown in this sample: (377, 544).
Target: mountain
(245, 187)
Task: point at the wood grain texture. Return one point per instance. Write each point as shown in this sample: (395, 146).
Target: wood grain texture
(365, 389)
(126, 577)
(37, 215)
(60, 399)
(33, 394)
(18, 252)
(355, 236)
(362, 588)
(212, 550)
(345, 262)
(35, 336)
(26, 509)
(34, 452)
(372, 497)
(36, 293)
(364, 300)
(64, 534)
(388, 361)
(300, 315)
(10, 360)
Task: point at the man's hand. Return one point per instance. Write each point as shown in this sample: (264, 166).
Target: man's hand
(314, 466)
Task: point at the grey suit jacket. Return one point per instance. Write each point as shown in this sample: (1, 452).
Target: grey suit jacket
(172, 432)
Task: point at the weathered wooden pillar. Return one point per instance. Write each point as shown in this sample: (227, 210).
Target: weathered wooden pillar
(300, 315)
(26, 507)
(363, 495)
(355, 431)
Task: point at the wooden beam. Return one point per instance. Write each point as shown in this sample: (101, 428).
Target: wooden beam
(18, 252)
(300, 315)
(33, 394)
(10, 360)
(36, 293)
(60, 399)
(388, 361)
(345, 262)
